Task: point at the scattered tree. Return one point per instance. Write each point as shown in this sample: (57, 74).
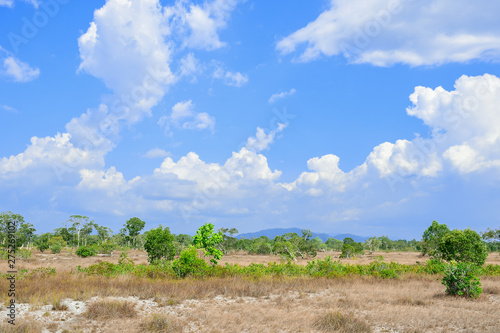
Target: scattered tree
(463, 246)
(159, 244)
(208, 240)
(432, 237)
(134, 226)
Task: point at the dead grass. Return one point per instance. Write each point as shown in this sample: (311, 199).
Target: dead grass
(334, 321)
(22, 326)
(110, 309)
(160, 323)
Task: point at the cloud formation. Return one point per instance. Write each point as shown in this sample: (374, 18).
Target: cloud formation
(16, 70)
(184, 116)
(383, 33)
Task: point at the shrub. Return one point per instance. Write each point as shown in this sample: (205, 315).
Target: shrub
(84, 251)
(351, 248)
(189, 263)
(339, 322)
(207, 240)
(106, 248)
(56, 248)
(460, 280)
(464, 246)
(110, 309)
(159, 244)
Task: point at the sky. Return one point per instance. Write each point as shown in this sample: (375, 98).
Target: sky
(371, 117)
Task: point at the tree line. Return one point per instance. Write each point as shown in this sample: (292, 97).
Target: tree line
(80, 231)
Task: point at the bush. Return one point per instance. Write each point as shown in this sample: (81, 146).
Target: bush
(56, 248)
(463, 246)
(106, 248)
(84, 251)
(189, 264)
(159, 244)
(460, 280)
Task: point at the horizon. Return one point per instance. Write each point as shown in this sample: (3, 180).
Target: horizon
(335, 116)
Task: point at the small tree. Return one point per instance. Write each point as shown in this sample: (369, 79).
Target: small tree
(351, 248)
(159, 244)
(460, 280)
(432, 237)
(134, 226)
(463, 246)
(208, 240)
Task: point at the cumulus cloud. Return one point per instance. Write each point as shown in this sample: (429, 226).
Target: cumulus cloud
(383, 32)
(184, 116)
(281, 95)
(261, 140)
(199, 25)
(15, 69)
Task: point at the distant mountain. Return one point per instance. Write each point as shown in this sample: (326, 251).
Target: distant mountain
(271, 233)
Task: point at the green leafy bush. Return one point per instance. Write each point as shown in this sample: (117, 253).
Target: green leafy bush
(208, 240)
(460, 280)
(106, 248)
(464, 246)
(55, 248)
(189, 264)
(159, 244)
(85, 251)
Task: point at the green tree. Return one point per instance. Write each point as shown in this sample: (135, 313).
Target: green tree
(133, 227)
(208, 240)
(5, 219)
(463, 246)
(373, 244)
(334, 244)
(42, 242)
(79, 226)
(432, 237)
(351, 248)
(493, 238)
(159, 244)
(103, 232)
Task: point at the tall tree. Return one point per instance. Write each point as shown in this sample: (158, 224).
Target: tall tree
(432, 237)
(134, 226)
(78, 222)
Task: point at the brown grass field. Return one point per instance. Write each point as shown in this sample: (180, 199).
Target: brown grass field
(68, 302)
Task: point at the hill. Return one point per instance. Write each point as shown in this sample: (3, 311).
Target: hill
(271, 233)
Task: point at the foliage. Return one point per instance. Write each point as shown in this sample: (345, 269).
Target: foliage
(159, 244)
(106, 247)
(85, 251)
(460, 280)
(189, 264)
(42, 243)
(351, 248)
(124, 259)
(432, 237)
(208, 240)
(134, 226)
(56, 244)
(464, 246)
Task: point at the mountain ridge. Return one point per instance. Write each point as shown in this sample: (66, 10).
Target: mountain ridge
(271, 233)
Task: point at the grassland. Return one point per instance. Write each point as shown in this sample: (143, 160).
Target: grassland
(68, 301)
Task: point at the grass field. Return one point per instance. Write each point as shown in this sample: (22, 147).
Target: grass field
(69, 302)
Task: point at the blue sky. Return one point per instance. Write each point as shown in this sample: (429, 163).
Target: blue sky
(368, 117)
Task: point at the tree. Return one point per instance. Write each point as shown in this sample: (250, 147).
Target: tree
(493, 238)
(351, 248)
(207, 240)
(334, 244)
(134, 226)
(463, 246)
(432, 237)
(159, 244)
(27, 231)
(103, 232)
(6, 218)
(42, 242)
(373, 244)
(228, 243)
(78, 222)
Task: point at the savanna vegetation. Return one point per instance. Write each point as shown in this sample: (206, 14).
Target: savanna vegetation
(183, 270)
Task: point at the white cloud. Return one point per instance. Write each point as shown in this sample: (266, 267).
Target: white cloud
(384, 32)
(184, 116)
(15, 69)
(284, 94)
(157, 153)
(10, 3)
(261, 141)
(235, 79)
(8, 108)
(199, 24)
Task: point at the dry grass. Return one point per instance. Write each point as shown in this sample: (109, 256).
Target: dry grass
(343, 323)
(160, 323)
(20, 327)
(110, 309)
